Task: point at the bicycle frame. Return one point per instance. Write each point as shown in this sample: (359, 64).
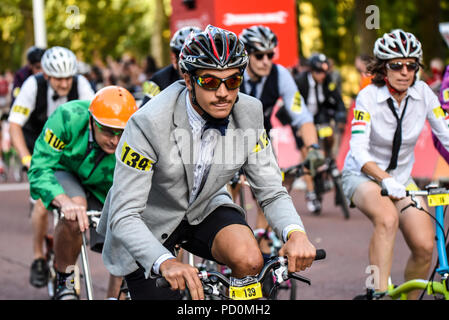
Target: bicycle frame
(433, 287)
(93, 220)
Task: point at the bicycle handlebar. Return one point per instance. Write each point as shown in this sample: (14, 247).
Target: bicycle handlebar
(93, 216)
(298, 169)
(272, 264)
(430, 191)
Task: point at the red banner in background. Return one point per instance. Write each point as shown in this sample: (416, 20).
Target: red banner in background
(235, 15)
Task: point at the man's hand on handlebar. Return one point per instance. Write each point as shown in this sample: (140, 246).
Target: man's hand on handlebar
(299, 251)
(179, 275)
(315, 159)
(72, 211)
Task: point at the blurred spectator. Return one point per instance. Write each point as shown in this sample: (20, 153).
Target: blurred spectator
(4, 92)
(436, 76)
(96, 78)
(150, 67)
(334, 74)
(34, 56)
(360, 63)
(302, 66)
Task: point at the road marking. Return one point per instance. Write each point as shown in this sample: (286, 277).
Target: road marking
(14, 186)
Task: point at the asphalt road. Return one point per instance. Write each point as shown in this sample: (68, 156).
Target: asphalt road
(340, 276)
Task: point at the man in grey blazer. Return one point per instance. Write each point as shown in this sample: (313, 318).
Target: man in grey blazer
(173, 162)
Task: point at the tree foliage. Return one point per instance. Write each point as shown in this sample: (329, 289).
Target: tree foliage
(97, 29)
(92, 29)
(345, 34)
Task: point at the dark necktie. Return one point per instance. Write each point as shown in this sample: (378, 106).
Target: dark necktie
(253, 86)
(221, 125)
(55, 96)
(397, 140)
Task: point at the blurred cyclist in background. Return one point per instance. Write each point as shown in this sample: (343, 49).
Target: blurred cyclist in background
(72, 169)
(34, 56)
(325, 103)
(38, 98)
(268, 82)
(171, 73)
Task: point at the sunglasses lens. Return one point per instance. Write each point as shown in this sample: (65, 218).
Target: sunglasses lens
(397, 66)
(109, 131)
(234, 82)
(412, 66)
(209, 82)
(259, 56)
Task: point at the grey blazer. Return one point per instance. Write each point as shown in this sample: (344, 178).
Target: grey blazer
(153, 178)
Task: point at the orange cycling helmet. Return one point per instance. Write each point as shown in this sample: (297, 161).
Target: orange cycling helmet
(112, 106)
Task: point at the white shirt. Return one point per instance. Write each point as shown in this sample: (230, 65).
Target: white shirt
(25, 102)
(203, 148)
(374, 125)
(203, 151)
(312, 104)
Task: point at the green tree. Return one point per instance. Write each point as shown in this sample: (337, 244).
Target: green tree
(90, 28)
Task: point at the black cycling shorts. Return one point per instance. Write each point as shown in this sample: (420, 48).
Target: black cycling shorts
(196, 239)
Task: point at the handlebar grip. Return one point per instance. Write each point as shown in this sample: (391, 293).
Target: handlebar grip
(320, 254)
(162, 283)
(384, 192)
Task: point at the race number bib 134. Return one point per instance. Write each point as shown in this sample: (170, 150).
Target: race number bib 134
(134, 159)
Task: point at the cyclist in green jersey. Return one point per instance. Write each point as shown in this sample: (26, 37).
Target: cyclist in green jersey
(72, 168)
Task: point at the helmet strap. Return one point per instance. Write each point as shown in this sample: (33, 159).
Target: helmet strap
(392, 89)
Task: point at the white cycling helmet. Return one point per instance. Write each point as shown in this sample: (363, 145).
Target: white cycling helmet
(397, 44)
(258, 38)
(59, 62)
(178, 39)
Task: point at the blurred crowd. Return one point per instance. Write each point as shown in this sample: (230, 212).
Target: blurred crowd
(126, 72)
(131, 74)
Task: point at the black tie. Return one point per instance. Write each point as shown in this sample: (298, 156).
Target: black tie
(397, 140)
(253, 86)
(220, 125)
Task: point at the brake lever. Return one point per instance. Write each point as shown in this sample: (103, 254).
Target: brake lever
(415, 203)
(300, 278)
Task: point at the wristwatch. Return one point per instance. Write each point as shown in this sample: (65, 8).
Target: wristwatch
(315, 146)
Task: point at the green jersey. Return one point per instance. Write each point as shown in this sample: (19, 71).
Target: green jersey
(66, 144)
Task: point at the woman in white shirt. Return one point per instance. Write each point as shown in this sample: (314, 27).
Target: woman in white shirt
(389, 116)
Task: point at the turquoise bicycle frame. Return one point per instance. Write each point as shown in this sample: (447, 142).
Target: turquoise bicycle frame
(441, 245)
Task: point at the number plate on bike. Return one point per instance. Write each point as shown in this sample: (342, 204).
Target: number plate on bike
(438, 200)
(245, 289)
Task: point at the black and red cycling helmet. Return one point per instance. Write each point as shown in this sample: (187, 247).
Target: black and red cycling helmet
(213, 48)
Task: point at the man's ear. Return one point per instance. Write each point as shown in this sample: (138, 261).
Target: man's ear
(187, 79)
(174, 60)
